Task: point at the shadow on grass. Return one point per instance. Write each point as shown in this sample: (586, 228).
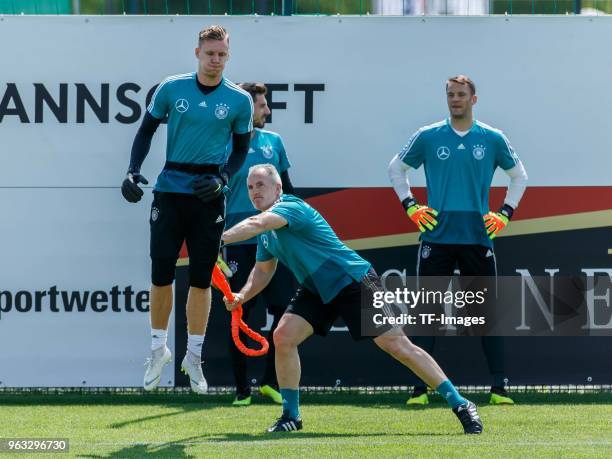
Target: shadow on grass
(175, 449)
(314, 400)
(182, 410)
(386, 402)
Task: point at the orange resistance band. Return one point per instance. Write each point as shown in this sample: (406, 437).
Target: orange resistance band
(220, 282)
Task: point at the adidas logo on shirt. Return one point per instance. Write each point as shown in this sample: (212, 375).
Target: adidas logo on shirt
(219, 219)
(461, 147)
(203, 104)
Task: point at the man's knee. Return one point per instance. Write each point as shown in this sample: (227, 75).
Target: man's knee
(284, 338)
(281, 337)
(162, 271)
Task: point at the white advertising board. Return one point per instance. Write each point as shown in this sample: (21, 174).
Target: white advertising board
(348, 93)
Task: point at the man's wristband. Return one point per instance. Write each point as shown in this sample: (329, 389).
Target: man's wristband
(408, 202)
(506, 211)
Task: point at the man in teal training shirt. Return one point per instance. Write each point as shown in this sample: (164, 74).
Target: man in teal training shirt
(460, 156)
(204, 110)
(332, 278)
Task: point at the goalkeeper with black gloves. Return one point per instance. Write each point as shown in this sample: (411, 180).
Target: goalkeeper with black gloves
(204, 111)
(460, 156)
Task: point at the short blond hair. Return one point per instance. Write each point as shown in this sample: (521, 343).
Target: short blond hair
(270, 171)
(213, 32)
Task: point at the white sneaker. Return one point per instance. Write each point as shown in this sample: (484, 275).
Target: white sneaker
(192, 367)
(155, 364)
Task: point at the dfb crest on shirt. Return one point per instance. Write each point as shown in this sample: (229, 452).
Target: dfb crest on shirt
(478, 151)
(154, 213)
(425, 252)
(443, 153)
(267, 151)
(221, 111)
(264, 240)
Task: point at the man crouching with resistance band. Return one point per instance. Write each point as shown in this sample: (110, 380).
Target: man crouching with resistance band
(331, 278)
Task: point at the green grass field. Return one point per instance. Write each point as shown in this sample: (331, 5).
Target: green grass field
(341, 425)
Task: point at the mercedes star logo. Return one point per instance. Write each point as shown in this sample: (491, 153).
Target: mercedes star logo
(181, 105)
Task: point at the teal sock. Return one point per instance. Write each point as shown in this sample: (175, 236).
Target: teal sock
(291, 402)
(449, 392)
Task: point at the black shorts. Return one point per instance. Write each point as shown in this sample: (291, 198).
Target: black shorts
(179, 217)
(350, 304)
(476, 265)
(277, 294)
(443, 259)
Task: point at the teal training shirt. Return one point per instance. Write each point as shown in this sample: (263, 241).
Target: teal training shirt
(265, 147)
(311, 250)
(199, 125)
(459, 171)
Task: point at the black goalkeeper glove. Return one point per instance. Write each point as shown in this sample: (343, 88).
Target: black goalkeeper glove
(130, 189)
(209, 187)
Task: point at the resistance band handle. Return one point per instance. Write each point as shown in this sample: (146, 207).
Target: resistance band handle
(220, 282)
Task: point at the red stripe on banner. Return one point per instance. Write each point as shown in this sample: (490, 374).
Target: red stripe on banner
(550, 201)
(368, 212)
(357, 213)
(365, 212)
(183, 253)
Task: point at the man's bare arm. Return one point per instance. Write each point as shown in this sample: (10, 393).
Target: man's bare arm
(259, 278)
(253, 226)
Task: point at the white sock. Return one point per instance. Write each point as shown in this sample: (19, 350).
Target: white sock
(194, 345)
(158, 338)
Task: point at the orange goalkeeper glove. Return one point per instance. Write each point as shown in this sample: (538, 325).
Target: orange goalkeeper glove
(496, 221)
(422, 216)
